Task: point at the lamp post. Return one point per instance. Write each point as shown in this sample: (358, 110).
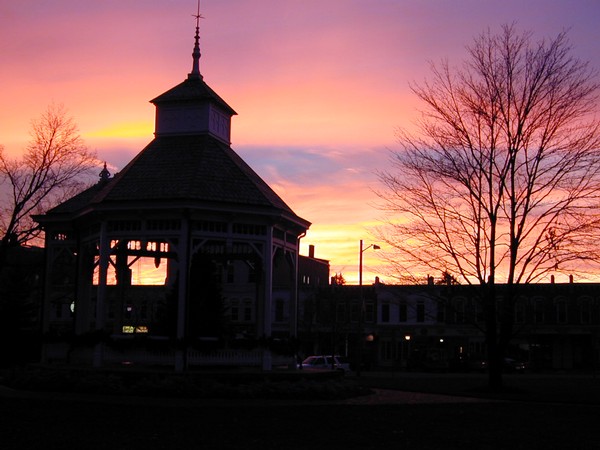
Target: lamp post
(362, 303)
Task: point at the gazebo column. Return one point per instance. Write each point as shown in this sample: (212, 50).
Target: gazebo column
(183, 254)
(51, 249)
(294, 296)
(104, 258)
(85, 269)
(267, 360)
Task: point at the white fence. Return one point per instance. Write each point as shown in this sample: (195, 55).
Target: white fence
(219, 358)
(194, 358)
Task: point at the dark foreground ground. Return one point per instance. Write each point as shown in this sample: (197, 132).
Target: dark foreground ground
(542, 412)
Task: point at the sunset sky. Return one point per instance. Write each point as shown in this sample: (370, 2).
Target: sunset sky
(320, 86)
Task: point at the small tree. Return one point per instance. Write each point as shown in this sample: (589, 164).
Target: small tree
(338, 279)
(502, 183)
(53, 168)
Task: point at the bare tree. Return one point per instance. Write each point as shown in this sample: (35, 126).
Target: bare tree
(501, 183)
(53, 168)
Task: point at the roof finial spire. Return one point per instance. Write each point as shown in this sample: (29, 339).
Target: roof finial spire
(104, 174)
(195, 73)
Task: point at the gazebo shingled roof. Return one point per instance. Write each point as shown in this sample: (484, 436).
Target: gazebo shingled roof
(192, 89)
(196, 168)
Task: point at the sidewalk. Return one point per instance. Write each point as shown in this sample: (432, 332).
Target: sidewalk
(379, 397)
(392, 397)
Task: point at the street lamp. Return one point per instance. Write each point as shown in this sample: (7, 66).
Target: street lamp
(362, 302)
(360, 259)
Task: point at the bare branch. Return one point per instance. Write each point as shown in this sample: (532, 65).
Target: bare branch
(508, 152)
(55, 165)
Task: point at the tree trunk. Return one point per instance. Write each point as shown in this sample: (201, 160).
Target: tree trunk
(495, 379)
(495, 352)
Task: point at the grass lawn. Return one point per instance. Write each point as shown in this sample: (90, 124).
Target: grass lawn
(38, 424)
(531, 387)
(98, 422)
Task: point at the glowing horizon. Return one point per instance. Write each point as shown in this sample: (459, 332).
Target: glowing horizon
(319, 87)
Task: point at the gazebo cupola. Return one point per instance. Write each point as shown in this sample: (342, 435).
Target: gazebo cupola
(192, 107)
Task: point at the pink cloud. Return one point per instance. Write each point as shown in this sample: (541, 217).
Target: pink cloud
(319, 85)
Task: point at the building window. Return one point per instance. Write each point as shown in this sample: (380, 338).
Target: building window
(420, 312)
(385, 312)
(251, 273)
(441, 311)
(459, 311)
(388, 350)
(519, 313)
(354, 312)
(539, 311)
(340, 313)
(370, 312)
(248, 311)
(130, 329)
(402, 312)
(585, 315)
(561, 311)
(235, 313)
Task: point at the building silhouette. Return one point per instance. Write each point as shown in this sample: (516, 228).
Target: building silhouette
(438, 326)
(222, 245)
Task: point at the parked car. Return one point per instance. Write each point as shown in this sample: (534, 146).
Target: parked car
(509, 365)
(513, 365)
(323, 362)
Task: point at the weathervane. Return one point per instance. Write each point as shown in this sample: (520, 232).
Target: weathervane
(195, 73)
(198, 16)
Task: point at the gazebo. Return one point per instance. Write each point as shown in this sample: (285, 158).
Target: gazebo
(186, 250)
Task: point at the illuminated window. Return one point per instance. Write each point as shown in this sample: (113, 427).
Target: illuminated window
(130, 329)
